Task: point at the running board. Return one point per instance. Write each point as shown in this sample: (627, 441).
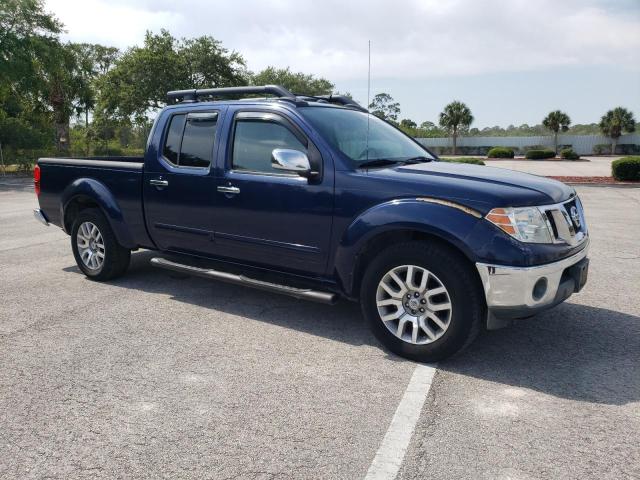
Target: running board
(302, 293)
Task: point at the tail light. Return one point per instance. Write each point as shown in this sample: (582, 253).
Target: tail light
(36, 179)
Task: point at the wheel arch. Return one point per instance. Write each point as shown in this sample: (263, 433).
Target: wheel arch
(86, 193)
(398, 222)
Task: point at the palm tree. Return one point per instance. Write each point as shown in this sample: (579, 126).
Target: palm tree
(616, 122)
(455, 116)
(555, 122)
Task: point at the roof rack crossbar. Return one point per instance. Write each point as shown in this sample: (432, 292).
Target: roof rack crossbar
(340, 100)
(193, 94)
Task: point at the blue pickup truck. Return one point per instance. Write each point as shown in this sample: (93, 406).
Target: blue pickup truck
(313, 197)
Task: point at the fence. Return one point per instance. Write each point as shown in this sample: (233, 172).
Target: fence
(582, 144)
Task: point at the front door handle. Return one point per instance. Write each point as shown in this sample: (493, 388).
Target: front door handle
(158, 183)
(232, 190)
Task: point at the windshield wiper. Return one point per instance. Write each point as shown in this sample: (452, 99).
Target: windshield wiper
(380, 162)
(420, 159)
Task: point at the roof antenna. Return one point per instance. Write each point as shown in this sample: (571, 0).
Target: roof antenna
(368, 98)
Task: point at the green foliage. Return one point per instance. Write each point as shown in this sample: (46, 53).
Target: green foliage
(385, 107)
(296, 82)
(500, 152)
(539, 154)
(455, 117)
(602, 149)
(616, 122)
(408, 123)
(473, 161)
(142, 76)
(569, 154)
(557, 121)
(626, 169)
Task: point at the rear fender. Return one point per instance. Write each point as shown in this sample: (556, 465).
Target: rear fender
(83, 189)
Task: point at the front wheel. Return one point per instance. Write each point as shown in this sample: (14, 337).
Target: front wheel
(422, 301)
(95, 247)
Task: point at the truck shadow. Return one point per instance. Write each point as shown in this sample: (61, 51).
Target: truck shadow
(573, 351)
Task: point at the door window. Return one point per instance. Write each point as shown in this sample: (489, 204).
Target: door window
(190, 139)
(255, 139)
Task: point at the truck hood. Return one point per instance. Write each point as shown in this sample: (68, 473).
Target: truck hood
(475, 185)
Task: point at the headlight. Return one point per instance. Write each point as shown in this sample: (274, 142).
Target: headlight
(525, 224)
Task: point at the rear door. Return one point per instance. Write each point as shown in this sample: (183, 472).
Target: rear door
(262, 215)
(179, 188)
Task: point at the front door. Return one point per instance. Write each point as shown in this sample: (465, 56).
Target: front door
(267, 217)
(179, 189)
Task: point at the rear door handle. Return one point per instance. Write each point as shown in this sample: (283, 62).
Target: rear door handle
(158, 183)
(232, 190)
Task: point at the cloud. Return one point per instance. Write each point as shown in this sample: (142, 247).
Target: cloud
(411, 39)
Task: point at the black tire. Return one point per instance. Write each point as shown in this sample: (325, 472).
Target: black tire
(468, 310)
(116, 257)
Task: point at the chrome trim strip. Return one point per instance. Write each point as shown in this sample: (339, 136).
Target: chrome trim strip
(506, 286)
(447, 203)
(39, 215)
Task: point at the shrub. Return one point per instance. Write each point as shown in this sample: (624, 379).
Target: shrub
(569, 154)
(626, 168)
(500, 152)
(539, 154)
(602, 149)
(474, 161)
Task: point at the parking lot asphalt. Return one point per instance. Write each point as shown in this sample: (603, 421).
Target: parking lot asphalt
(157, 375)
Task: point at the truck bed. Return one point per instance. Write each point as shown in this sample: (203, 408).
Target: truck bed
(116, 180)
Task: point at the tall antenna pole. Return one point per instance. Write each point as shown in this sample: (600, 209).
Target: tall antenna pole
(368, 98)
(369, 78)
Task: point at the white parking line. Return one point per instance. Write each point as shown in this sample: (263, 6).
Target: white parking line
(388, 459)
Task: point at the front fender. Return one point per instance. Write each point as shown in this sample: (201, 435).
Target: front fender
(471, 235)
(89, 188)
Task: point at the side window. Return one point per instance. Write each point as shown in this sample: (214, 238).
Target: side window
(190, 139)
(171, 148)
(197, 142)
(255, 139)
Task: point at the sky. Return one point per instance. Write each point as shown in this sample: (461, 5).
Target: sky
(510, 61)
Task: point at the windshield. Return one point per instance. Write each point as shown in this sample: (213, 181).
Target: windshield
(346, 130)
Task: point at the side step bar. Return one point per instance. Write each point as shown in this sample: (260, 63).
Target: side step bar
(303, 293)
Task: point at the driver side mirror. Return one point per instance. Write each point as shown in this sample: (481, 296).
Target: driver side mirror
(291, 161)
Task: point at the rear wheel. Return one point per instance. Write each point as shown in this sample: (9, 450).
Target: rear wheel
(422, 301)
(95, 248)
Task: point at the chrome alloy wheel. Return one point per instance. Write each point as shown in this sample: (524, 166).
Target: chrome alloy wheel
(414, 304)
(90, 246)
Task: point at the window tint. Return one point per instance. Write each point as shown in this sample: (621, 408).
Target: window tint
(172, 143)
(254, 141)
(197, 143)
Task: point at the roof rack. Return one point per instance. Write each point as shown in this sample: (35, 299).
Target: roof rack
(194, 94)
(281, 93)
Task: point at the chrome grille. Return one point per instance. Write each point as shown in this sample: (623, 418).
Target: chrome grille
(566, 221)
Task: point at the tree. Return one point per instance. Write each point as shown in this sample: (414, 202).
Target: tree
(296, 82)
(455, 117)
(142, 76)
(385, 107)
(616, 122)
(408, 123)
(556, 121)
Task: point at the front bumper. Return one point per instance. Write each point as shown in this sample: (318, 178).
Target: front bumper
(519, 292)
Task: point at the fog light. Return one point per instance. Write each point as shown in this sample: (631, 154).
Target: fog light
(539, 289)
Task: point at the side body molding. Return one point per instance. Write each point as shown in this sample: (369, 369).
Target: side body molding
(95, 190)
